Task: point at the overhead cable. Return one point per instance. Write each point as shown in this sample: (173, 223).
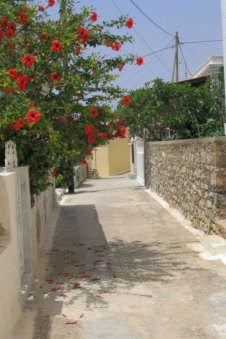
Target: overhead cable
(148, 17)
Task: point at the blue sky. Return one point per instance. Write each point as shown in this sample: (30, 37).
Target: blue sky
(195, 20)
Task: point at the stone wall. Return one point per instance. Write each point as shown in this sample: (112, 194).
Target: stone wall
(191, 176)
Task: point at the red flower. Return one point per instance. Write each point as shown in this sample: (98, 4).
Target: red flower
(51, 3)
(93, 16)
(44, 36)
(140, 61)
(83, 34)
(56, 46)
(93, 70)
(88, 129)
(55, 77)
(84, 162)
(62, 119)
(91, 138)
(102, 135)
(93, 112)
(32, 116)
(28, 60)
(12, 73)
(121, 68)
(10, 46)
(4, 23)
(19, 124)
(25, 7)
(88, 151)
(116, 46)
(9, 90)
(54, 172)
(126, 100)
(31, 76)
(12, 25)
(22, 82)
(1, 34)
(123, 131)
(129, 23)
(22, 17)
(11, 126)
(10, 33)
(78, 51)
(41, 8)
(26, 42)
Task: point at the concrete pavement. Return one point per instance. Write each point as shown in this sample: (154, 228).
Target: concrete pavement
(122, 267)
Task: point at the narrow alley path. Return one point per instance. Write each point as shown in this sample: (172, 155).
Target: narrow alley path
(121, 267)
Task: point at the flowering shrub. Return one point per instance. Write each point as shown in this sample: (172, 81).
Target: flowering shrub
(55, 92)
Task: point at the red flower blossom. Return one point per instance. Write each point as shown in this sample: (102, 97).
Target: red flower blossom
(88, 151)
(84, 162)
(26, 42)
(56, 46)
(11, 126)
(123, 131)
(93, 16)
(28, 60)
(129, 23)
(88, 129)
(1, 34)
(19, 124)
(102, 135)
(55, 77)
(22, 82)
(31, 76)
(116, 46)
(12, 25)
(22, 17)
(9, 90)
(93, 112)
(78, 51)
(25, 7)
(44, 36)
(32, 116)
(62, 119)
(93, 70)
(51, 3)
(91, 138)
(41, 8)
(12, 73)
(4, 23)
(10, 46)
(126, 100)
(121, 68)
(54, 172)
(10, 33)
(140, 61)
(83, 34)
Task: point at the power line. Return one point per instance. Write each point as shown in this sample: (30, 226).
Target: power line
(197, 42)
(186, 66)
(162, 49)
(195, 54)
(154, 23)
(142, 39)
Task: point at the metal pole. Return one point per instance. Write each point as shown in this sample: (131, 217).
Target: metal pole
(223, 11)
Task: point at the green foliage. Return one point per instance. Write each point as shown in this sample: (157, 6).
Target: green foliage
(176, 111)
(57, 139)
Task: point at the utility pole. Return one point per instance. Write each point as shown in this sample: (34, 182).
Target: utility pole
(223, 11)
(176, 63)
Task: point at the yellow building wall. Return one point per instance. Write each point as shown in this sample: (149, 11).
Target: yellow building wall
(111, 158)
(119, 156)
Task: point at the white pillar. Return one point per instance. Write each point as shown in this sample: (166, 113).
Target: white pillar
(223, 10)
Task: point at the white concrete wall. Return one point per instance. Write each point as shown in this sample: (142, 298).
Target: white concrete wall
(10, 280)
(41, 216)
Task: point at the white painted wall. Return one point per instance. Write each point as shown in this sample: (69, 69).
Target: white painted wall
(10, 306)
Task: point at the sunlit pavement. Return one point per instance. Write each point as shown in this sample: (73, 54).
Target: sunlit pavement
(121, 267)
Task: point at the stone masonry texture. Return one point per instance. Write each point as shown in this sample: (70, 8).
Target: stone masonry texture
(191, 176)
